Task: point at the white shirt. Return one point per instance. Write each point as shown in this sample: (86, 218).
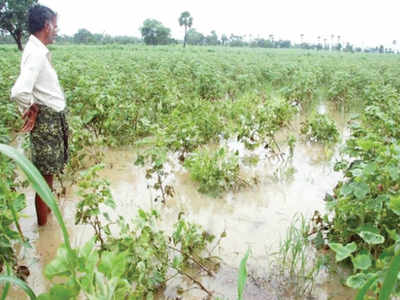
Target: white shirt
(37, 81)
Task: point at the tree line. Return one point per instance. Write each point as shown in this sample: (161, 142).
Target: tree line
(153, 32)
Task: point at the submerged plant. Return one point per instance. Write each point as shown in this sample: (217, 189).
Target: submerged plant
(95, 193)
(319, 128)
(299, 266)
(216, 172)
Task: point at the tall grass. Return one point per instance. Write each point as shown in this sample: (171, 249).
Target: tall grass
(40, 186)
(299, 267)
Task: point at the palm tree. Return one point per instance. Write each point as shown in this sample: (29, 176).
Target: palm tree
(185, 20)
(271, 37)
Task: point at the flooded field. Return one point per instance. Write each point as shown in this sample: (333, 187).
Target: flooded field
(255, 217)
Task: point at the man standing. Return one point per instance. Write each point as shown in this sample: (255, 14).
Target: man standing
(39, 97)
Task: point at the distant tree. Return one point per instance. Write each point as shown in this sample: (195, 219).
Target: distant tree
(325, 43)
(13, 17)
(185, 20)
(224, 39)
(262, 43)
(319, 46)
(339, 45)
(64, 39)
(236, 41)
(194, 37)
(83, 36)
(348, 48)
(271, 38)
(155, 33)
(212, 39)
(283, 44)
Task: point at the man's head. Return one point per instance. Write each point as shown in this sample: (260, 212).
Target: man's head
(42, 22)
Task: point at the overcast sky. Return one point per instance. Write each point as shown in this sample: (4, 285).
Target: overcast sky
(362, 22)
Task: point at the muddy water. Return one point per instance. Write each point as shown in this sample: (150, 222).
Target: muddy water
(255, 217)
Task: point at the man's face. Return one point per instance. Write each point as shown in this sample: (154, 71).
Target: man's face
(51, 30)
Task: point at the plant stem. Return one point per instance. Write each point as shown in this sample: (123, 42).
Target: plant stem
(14, 214)
(194, 260)
(196, 282)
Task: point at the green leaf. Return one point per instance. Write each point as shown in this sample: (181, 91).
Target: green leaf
(242, 275)
(346, 189)
(113, 264)
(357, 281)
(372, 238)
(60, 265)
(363, 291)
(392, 233)
(394, 173)
(390, 278)
(20, 284)
(394, 204)
(342, 252)
(39, 185)
(362, 262)
(61, 292)
(360, 189)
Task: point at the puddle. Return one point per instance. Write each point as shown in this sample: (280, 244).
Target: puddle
(255, 217)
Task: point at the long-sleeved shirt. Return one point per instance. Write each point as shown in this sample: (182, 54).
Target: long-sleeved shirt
(37, 81)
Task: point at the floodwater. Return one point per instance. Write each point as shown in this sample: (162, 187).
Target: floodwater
(255, 217)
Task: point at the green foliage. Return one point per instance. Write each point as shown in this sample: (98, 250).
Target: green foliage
(179, 101)
(215, 171)
(13, 18)
(319, 128)
(365, 202)
(154, 33)
(343, 252)
(21, 284)
(94, 194)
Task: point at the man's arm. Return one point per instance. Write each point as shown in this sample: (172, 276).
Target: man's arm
(23, 88)
(21, 92)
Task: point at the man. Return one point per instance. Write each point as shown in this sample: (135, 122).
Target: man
(41, 101)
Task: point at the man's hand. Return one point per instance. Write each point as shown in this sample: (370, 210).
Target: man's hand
(30, 118)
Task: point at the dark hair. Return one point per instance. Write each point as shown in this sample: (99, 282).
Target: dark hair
(38, 16)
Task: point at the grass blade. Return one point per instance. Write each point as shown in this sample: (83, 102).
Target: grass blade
(242, 275)
(19, 283)
(363, 291)
(39, 184)
(390, 278)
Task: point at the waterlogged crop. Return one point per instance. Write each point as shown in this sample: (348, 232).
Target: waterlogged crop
(215, 171)
(140, 255)
(175, 103)
(365, 204)
(95, 194)
(319, 128)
